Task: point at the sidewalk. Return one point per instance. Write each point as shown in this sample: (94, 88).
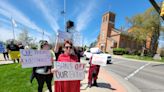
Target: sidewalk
(2, 61)
(106, 82)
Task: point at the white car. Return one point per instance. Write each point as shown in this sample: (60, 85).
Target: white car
(88, 54)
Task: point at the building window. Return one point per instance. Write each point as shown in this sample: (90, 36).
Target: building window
(103, 19)
(106, 18)
(111, 18)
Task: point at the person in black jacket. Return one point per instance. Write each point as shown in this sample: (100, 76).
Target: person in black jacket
(43, 74)
(60, 51)
(13, 47)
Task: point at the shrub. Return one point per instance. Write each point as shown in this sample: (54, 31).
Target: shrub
(119, 51)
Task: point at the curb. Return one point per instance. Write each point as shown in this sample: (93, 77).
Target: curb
(126, 84)
(136, 60)
(111, 80)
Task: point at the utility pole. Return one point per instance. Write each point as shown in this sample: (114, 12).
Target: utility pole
(157, 8)
(13, 28)
(43, 35)
(64, 15)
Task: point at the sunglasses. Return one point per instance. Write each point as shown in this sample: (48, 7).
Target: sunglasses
(68, 47)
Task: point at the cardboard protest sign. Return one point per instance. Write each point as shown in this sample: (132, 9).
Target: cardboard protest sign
(35, 58)
(63, 36)
(99, 59)
(2, 49)
(77, 39)
(69, 71)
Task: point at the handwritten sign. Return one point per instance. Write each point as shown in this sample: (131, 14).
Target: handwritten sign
(69, 71)
(62, 35)
(35, 58)
(77, 39)
(99, 59)
(2, 49)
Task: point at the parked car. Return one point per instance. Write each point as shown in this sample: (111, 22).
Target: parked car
(88, 54)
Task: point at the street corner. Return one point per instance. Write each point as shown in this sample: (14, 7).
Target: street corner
(112, 83)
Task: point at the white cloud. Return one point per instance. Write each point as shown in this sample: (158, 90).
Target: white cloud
(85, 16)
(7, 33)
(8, 10)
(4, 21)
(2, 11)
(46, 12)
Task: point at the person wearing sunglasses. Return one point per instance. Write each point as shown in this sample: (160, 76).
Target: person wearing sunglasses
(67, 56)
(43, 74)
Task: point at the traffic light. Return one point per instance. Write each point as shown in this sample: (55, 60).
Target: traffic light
(162, 10)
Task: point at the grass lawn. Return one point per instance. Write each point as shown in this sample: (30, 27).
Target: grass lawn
(146, 58)
(13, 78)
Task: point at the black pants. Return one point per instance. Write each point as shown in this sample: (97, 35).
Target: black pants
(6, 55)
(41, 78)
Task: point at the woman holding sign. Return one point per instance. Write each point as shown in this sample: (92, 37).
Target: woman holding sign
(43, 74)
(67, 86)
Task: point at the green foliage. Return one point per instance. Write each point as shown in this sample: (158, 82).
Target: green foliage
(85, 48)
(33, 46)
(93, 44)
(119, 51)
(145, 58)
(146, 25)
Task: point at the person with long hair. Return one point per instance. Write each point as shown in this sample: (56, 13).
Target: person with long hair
(43, 74)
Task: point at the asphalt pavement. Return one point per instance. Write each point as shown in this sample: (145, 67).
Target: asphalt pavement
(146, 76)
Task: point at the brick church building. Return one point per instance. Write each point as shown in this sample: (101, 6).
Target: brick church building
(110, 37)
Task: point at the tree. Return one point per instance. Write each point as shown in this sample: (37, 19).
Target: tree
(93, 44)
(144, 26)
(85, 48)
(24, 37)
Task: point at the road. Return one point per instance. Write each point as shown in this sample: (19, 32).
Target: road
(146, 76)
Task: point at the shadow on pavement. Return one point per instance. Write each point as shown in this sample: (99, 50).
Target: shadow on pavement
(110, 63)
(105, 85)
(100, 85)
(158, 65)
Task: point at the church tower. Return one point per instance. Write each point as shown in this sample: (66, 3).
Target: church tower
(108, 22)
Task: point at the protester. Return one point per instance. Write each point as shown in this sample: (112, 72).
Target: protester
(67, 86)
(5, 54)
(77, 52)
(13, 51)
(93, 72)
(20, 46)
(43, 74)
(60, 51)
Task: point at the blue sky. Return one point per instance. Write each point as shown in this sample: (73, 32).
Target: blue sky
(39, 15)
